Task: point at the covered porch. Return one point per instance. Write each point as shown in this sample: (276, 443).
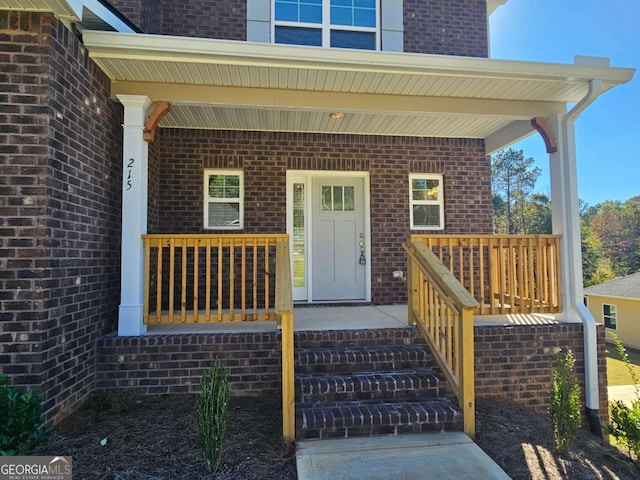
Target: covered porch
(444, 110)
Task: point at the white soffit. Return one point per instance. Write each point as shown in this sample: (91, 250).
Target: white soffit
(217, 84)
(318, 121)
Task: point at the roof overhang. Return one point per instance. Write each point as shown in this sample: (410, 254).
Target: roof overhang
(220, 84)
(93, 14)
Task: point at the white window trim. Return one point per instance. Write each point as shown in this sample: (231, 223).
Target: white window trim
(206, 198)
(326, 26)
(609, 316)
(439, 202)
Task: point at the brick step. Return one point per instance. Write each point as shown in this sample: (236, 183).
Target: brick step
(358, 338)
(417, 384)
(375, 417)
(360, 359)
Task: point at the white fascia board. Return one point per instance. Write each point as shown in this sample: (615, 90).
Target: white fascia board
(199, 50)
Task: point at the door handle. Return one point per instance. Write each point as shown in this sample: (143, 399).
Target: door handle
(363, 259)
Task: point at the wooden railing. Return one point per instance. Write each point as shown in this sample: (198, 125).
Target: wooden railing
(193, 278)
(443, 311)
(504, 273)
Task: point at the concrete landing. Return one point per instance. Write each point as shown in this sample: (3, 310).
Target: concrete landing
(440, 456)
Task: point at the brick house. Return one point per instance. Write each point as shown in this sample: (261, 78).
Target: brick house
(347, 126)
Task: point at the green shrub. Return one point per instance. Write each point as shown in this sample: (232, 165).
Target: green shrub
(565, 408)
(212, 413)
(625, 420)
(21, 428)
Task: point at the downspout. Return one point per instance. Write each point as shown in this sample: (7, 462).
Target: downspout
(592, 394)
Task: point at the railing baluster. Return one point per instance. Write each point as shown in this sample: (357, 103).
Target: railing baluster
(220, 279)
(196, 276)
(232, 278)
(266, 276)
(243, 286)
(207, 301)
(172, 274)
(159, 286)
(255, 277)
(183, 283)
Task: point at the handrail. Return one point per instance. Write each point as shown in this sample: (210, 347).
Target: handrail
(443, 311)
(504, 273)
(284, 309)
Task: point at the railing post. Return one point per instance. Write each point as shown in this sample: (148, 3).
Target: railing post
(284, 307)
(467, 380)
(288, 394)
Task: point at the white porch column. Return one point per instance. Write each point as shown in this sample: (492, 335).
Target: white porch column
(134, 214)
(566, 216)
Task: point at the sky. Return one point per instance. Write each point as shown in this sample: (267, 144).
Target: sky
(608, 132)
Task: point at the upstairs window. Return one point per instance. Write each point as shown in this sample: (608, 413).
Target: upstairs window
(223, 199)
(327, 23)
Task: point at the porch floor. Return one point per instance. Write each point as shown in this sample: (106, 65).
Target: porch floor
(345, 318)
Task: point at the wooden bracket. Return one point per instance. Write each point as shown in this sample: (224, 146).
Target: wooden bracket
(540, 124)
(160, 109)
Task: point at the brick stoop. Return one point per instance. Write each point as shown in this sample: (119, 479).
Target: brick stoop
(369, 382)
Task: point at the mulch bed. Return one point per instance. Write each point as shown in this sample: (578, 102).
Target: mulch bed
(154, 438)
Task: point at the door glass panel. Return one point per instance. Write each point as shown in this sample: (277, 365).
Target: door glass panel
(327, 198)
(299, 274)
(337, 199)
(349, 199)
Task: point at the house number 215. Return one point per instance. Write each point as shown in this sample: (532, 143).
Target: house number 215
(129, 170)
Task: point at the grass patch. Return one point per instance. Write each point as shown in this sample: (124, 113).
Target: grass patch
(617, 373)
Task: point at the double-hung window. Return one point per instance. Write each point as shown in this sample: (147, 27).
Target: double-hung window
(223, 199)
(426, 200)
(327, 23)
(610, 316)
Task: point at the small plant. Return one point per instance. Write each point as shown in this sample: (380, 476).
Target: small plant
(212, 413)
(21, 428)
(565, 408)
(625, 420)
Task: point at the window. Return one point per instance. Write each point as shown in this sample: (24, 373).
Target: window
(223, 199)
(426, 202)
(609, 315)
(327, 23)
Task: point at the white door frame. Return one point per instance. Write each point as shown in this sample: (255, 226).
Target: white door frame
(306, 176)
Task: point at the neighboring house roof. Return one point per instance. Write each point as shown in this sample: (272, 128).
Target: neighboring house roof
(626, 287)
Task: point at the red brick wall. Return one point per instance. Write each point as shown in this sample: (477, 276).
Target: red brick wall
(442, 27)
(60, 190)
(446, 27)
(222, 19)
(162, 364)
(513, 363)
(265, 158)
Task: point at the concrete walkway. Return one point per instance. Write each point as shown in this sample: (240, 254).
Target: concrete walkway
(626, 393)
(440, 456)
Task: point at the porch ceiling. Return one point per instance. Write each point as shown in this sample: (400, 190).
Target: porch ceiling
(220, 84)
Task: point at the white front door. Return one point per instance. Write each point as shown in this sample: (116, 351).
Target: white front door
(328, 226)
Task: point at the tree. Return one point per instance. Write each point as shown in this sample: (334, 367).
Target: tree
(513, 180)
(616, 225)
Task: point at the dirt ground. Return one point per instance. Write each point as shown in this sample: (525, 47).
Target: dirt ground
(154, 438)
